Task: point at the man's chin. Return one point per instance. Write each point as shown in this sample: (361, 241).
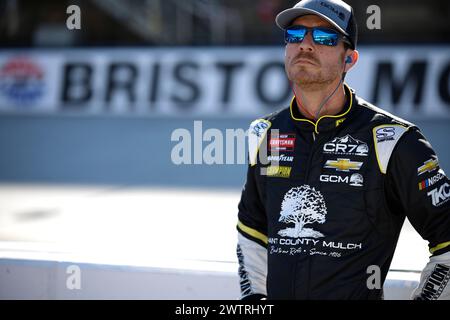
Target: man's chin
(310, 83)
(306, 74)
(307, 80)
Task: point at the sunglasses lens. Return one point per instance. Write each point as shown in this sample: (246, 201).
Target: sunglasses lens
(295, 35)
(325, 37)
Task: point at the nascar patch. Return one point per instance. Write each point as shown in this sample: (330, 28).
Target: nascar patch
(431, 181)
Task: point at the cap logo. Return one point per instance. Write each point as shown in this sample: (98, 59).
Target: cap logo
(340, 15)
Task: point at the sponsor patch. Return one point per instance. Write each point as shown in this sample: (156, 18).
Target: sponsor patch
(278, 171)
(385, 134)
(385, 138)
(284, 142)
(346, 145)
(260, 127)
(343, 165)
(440, 195)
(428, 166)
(355, 180)
(256, 136)
(280, 158)
(301, 206)
(430, 181)
(302, 210)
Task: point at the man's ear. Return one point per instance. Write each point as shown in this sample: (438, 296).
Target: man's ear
(354, 56)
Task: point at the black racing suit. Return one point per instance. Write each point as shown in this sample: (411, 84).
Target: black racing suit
(314, 224)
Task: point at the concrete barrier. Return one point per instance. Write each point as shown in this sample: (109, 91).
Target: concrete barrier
(33, 274)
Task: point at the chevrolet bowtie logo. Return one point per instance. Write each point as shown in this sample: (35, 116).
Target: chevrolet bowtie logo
(428, 166)
(343, 165)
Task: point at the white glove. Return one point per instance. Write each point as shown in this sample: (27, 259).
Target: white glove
(434, 281)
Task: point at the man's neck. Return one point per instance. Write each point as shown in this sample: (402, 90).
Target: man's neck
(309, 101)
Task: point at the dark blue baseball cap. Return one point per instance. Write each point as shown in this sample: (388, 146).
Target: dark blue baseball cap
(336, 12)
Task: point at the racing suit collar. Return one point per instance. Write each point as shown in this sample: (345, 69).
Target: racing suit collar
(325, 122)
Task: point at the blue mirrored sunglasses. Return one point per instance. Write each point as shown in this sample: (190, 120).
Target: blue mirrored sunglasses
(320, 35)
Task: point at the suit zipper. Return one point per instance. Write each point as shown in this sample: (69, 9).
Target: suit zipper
(316, 142)
(310, 156)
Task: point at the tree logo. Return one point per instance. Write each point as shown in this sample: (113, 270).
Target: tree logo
(301, 206)
(356, 180)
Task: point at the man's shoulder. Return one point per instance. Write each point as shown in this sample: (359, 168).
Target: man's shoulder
(259, 129)
(379, 116)
(271, 118)
(278, 114)
(388, 130)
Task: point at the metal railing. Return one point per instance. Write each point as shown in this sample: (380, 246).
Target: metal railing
(189, 22)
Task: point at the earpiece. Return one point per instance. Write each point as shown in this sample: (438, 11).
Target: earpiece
(348, 59)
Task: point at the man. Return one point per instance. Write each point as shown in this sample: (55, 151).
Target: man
(332, 178)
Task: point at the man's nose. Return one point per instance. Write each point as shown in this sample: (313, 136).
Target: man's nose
(307, 44)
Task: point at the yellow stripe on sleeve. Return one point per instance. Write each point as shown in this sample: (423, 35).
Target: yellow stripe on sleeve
(439, 247)
(252, 232)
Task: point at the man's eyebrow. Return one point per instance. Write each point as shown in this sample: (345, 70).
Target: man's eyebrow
(302, 25)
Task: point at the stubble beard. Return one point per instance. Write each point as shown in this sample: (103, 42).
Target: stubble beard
(310, 80)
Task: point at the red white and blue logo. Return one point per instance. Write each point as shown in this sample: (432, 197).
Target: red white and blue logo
(430, 181)
(21, 81)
